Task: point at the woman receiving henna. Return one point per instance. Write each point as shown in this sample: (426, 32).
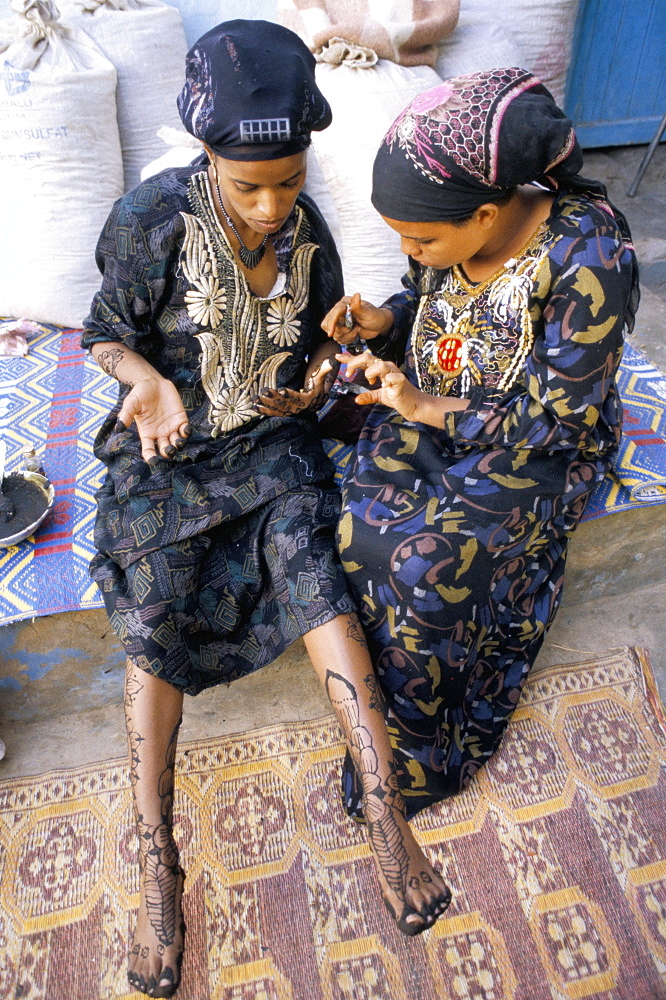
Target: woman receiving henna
(216, 519)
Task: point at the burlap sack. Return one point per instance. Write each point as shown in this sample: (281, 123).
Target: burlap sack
(60, 165)
(145, 41)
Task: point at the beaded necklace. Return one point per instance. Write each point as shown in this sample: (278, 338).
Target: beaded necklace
(250, 258)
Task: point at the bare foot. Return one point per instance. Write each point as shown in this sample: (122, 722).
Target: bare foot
(156, 953)
(414, 892)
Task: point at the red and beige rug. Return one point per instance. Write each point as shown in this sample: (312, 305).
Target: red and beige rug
(556, 855)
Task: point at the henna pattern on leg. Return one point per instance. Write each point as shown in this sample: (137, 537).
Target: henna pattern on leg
(134, 742)
(355, 632)
(376, 698)
(133, 688)
(157, 950)
(416, 895)
(159, 856)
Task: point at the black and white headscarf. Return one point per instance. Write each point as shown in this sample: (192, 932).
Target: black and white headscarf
(250, 91)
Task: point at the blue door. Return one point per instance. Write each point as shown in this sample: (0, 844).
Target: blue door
(616, 90)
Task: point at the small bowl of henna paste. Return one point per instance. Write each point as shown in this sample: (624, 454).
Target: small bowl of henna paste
(25, 500)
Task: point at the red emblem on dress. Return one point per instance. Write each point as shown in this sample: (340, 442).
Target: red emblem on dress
(449, 353)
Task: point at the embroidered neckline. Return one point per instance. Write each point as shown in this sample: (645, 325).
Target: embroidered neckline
(206, 203)
(451, 336)
(245, 339)
(472, 290)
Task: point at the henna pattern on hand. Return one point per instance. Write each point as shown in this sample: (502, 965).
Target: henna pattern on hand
(322, 395)
(288, 402)
(109, 361)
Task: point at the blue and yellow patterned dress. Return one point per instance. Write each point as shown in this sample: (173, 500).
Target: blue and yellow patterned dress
(454, 541)
(212, 563)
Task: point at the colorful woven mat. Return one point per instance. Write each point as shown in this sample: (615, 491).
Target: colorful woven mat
(639, 475)
(556, 855)
(56, 398)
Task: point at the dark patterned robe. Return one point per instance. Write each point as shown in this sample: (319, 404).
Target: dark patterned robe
(454, 540)
(213, 562)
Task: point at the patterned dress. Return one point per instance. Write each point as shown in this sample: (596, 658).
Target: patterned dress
(454, 541)
(212, 563)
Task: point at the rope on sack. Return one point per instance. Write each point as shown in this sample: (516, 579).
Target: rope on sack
(339, 51)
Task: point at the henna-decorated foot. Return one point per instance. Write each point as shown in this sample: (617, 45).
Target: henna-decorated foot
(156, 952)
(414, 893)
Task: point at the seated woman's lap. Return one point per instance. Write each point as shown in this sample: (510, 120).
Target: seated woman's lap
(219, 605)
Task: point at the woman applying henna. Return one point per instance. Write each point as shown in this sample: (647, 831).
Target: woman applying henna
(216, 519)
(473, 472)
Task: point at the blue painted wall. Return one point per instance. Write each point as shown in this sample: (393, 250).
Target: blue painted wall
(616, 91)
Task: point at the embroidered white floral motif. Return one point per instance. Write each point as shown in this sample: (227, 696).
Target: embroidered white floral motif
(239, 332)
(206, 301)
(282, 325)
(233, 408)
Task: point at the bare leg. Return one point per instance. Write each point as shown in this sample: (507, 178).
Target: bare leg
(153, 711)
(413, 890)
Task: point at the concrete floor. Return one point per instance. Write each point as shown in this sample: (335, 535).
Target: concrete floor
(61, 676)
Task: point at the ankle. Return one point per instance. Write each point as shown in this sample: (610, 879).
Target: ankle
(158, 835)
(386, 796)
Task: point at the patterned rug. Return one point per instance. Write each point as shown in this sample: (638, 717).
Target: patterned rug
(56, 397)
(639, 477)
(556, 855)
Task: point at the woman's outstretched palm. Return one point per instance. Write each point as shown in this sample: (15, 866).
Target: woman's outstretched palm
(155, 406)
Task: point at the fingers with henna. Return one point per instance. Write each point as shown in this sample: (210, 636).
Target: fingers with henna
(280, 402)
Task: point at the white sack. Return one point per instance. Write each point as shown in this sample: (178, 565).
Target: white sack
(481, 41)
(543, 29)
(199, 16)
(183, 149)
(145, 41)
(317, 189)
(365, 102)
(60, 166)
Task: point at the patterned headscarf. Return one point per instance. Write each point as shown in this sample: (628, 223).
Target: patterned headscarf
(474, 139)
(250, 91)
(471, 140)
